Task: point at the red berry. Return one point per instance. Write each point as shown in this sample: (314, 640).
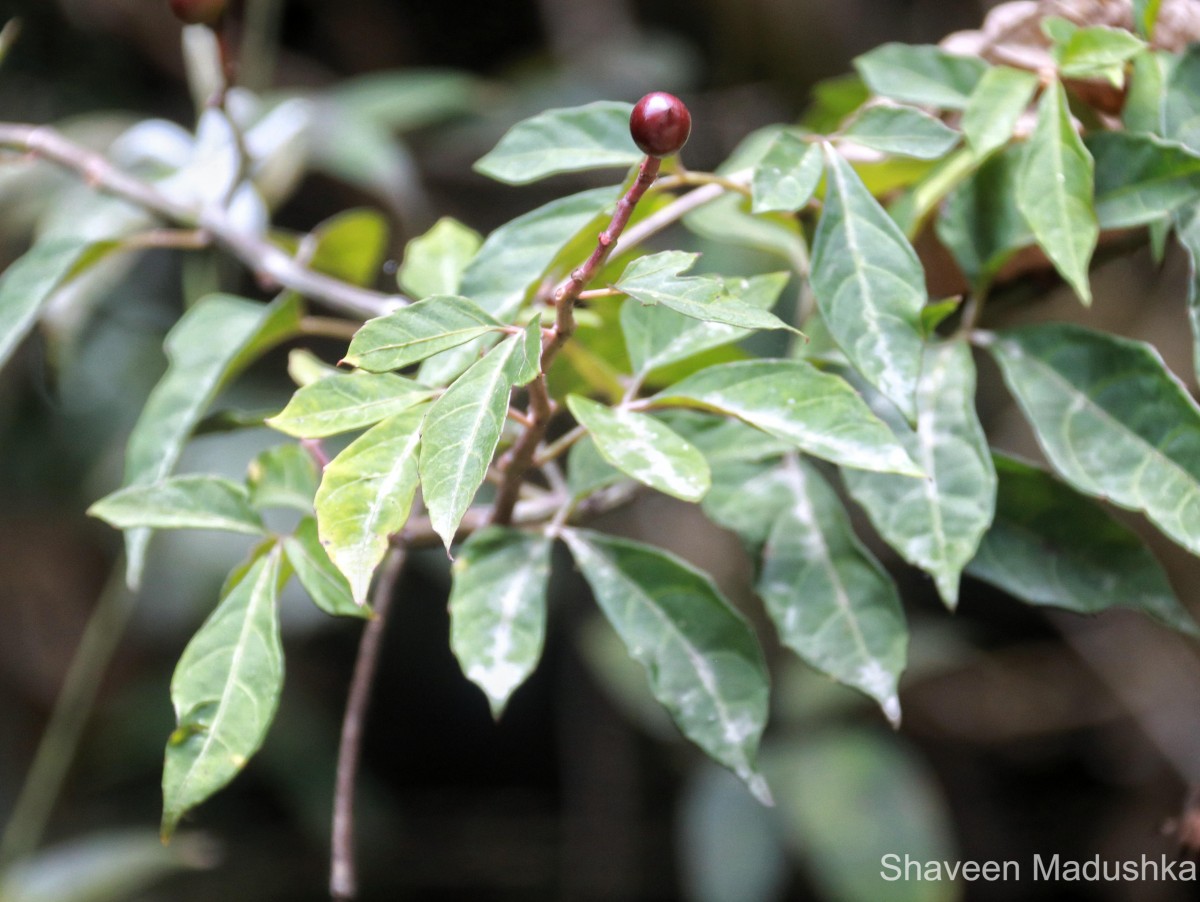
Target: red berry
(660, 124)
(198, 12)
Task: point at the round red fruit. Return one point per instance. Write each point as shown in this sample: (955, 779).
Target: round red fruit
(198, 12)
(660, 124)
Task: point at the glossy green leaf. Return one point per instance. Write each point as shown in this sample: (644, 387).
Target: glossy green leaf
(831, 785)
(787, 175)
(283, 476)
(980, 223)
(1181, 105)
(657, 336)
(351, 246)
(343, 401)
(325, 584)
(791, 399)
(418, 331)
(655, 279)
(593, 136)
(1054, 191)
(1140, 178)
(936, 523)
(702, 658)
(831, 601)
(498, 609)
(225, 691)
(922, 74)
(1113, 421)
(639, 445)
(1051, 546)
(213, 342)
(1096, 51)
(901, 130)
(29, 282)
(999, 99)
(515, 255)
(869, 285)
(181, 502)
(434, 263)
(366, 494)
(462, 430)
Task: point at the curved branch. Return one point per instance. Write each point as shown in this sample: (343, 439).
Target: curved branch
(264, 258)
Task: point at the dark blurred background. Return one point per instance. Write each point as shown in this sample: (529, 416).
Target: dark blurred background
(1023, 732)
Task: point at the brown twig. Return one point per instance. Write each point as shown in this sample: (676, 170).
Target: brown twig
(343, 876)
(264, 258)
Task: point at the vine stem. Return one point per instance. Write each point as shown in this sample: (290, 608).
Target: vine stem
(268, 261)
(343, 875)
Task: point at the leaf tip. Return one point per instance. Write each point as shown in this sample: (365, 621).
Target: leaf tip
(757, 784)
(891, 710)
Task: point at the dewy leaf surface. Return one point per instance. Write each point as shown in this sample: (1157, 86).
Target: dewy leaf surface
(791, 399)
(831, 601)
(936, 523)
(462, 429)
(1113, 421)
(366, 494)
(412, 333)
(498, 609)
(1051, 546)
(28, 282)
(869, 285)
(655, 279)
(181, 502)
(703, 661)
(639, 445)
(214, 341)
(592, 136)
(1054, 191)
(341, 402)
(225, 691)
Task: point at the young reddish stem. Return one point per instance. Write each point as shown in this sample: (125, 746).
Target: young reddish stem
(516, 463)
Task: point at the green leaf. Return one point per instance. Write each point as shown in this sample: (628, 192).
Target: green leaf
(1187, 230)
(700, 654)
(657, 336)
(869, 285)
(325, 584)
(728, 220)
(1054, 191)
(656, 279)
(1096, 51)
(462, 430)
(642, 447)
(787, 176)
(283, 476)
(1142, 111)
(305, 368)
(980, 223)
(434, 263)
(791, 399)
(498, 609)
(1051, 546)
(936, 523)
(1140, 178)
(831, 601)
(181, 502)
(412, 333)
(366, 494)
(1181, 105)
(593, 136)
(747, 498)
(214, 341)
(922, 74)
(351, 246)
(1113, 421)
(342, 401)
(29, 282)
(722, 439)
(587, 471)
(225, 691)
(901, 130)
(515, 255)
(1145, 15)
(999, 99)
